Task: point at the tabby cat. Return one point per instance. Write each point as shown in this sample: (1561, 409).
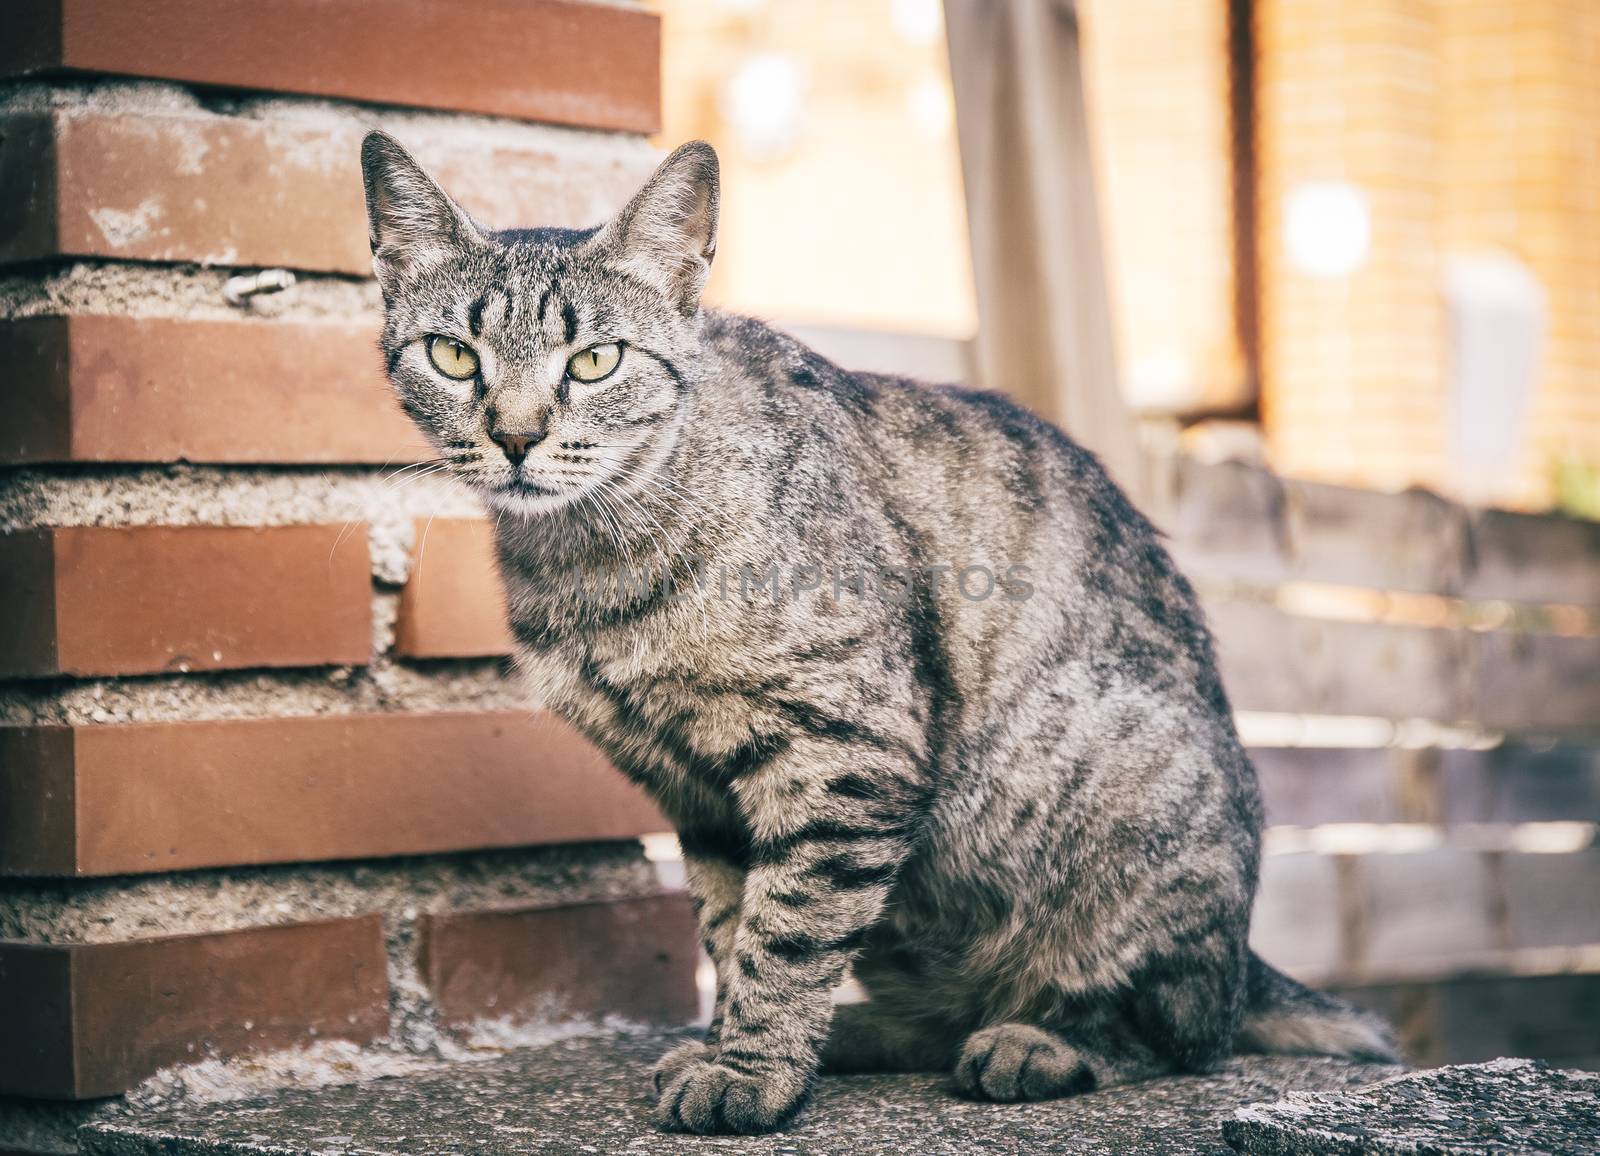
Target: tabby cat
(921, 691)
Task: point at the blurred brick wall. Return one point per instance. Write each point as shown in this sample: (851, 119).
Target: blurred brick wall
(1467, 127)
(1353, 367)
(1468, 124)
(842, 200)
(1520, 172)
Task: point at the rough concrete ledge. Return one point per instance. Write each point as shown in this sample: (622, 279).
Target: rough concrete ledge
(431, 685)
(588, 1095)
(1505, 1106)
(188, 292)
(118, 908)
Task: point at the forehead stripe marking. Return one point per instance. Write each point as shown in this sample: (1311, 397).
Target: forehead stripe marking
(475, 316)
(569, 321)
(544, 305)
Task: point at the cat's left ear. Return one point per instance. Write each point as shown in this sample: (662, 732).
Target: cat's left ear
(411, 221)
(667, 235)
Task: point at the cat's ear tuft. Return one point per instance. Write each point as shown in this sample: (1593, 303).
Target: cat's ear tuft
(667, 235)
(410, 219)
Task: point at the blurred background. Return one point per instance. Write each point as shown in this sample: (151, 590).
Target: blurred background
(1357, 241)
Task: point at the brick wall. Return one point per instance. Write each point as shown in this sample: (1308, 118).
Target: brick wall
(1465, 125)
(264, 781)
(1353, 367)
(1522, 174)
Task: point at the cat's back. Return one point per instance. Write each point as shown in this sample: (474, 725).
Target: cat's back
(970, 468)
(990, 439)
(1039, 552)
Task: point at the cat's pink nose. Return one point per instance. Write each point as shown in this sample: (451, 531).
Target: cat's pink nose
(516, 446)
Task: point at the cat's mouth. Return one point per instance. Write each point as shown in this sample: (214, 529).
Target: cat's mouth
(520, 494)
(562, 477)
(526, 487)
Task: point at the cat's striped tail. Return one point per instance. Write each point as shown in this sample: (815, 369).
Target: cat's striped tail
(1284, 1017)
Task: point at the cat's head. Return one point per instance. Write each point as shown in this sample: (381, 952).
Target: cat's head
(543, 363)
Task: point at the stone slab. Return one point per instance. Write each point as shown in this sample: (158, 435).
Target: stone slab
(588, 1095)
(1504, 1107)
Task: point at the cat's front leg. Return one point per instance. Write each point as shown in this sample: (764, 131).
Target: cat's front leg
(716, 888)
(822, 861)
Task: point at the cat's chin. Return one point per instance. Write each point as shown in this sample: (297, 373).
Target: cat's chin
(526, 500)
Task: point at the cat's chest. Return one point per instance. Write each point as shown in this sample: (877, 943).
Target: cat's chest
(668, 721)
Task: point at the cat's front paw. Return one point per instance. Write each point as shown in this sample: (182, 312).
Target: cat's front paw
(668, 1066)
(1015, 1061)
(710, 1098)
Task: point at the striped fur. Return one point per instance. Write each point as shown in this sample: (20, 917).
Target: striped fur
(1024, 819)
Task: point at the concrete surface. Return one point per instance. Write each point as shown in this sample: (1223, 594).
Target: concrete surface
(589, 1095)
(1502, 1107)
(118, 908)
(382, 685)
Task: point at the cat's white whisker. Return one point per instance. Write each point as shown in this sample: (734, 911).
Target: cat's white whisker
(422, 549)
(408, 480)
(344, 532)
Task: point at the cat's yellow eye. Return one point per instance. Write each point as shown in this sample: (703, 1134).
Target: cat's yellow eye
(451, 358)
(595, 363)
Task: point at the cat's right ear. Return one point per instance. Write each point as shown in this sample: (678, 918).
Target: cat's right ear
(410, 219)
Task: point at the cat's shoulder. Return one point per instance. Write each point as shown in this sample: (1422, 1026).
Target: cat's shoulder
(766, 357)
(758, 347)
(775, 360)
(758, 356)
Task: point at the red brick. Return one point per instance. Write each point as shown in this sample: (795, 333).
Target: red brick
(28, 639)
(88, 1020)
(596, 65)
(36, 1000)
(93, 600)
(142, 797)
(38, 800)
(453, 606)
(143, 389)
(35, 389)
(229, 191)
(27, 184)
(633, 958)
